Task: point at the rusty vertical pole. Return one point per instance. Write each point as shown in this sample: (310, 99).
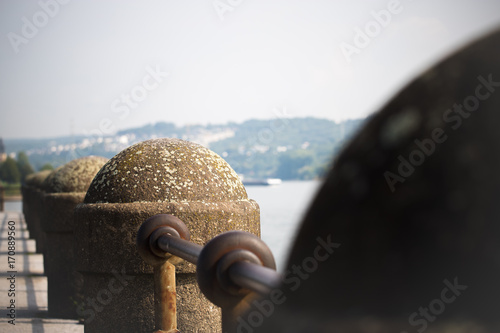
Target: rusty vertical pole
(165, 293)
(165, 298)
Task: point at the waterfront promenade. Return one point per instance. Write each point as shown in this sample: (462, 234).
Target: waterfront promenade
(23, 287)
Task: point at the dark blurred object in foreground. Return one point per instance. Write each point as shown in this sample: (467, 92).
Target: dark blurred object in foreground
(405, 233)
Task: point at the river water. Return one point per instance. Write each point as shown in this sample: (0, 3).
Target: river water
(281, 209)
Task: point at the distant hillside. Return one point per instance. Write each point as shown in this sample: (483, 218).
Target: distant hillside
(287, 148)
(296, 148)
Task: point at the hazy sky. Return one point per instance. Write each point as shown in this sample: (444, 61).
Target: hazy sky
(99, 66)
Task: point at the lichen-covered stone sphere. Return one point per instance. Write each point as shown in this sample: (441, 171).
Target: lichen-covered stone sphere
(74, 176)
(166, 170)
(38, 179)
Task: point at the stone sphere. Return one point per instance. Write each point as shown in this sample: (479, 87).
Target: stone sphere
(74, 176)
(166, 170)
(38, 179)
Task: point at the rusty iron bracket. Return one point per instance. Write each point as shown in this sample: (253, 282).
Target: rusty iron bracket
(164, 269)
(232, 267)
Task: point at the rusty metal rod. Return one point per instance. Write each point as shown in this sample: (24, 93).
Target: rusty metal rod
(165, 298)
(244, 274)
(181, 248)
(254, 277)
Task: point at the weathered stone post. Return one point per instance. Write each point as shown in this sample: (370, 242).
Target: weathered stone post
(26, 193)
(2, 197)
(168, 176)
(64, 190)
(33, 199)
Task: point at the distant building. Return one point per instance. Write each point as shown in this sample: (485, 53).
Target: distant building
(3, 155)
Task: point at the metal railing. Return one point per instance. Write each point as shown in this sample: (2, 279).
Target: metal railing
(232, 267)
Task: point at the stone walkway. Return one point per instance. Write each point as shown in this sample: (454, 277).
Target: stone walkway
(23, 282)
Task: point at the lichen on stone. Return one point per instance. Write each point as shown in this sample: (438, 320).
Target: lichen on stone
(36, 180)
(166, 170)
(74, 176)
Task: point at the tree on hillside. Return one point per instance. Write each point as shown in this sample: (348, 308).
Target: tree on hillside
(47, 166)
(295, 165)
(9, 172)
(23, 165)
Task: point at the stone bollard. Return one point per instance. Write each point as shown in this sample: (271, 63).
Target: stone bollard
(33, 199)
(26, 190)
(64, 190)
(160, 176)
(2, 197)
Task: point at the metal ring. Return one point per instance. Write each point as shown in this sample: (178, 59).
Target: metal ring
(173, 225)
(223, 265)
(211, 280)
(153, 241)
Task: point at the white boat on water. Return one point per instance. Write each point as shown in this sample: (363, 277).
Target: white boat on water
(261, 182)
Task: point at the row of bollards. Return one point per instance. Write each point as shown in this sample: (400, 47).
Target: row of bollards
(49, 199)
(32, 192)
(85, 217)
(64, 190)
